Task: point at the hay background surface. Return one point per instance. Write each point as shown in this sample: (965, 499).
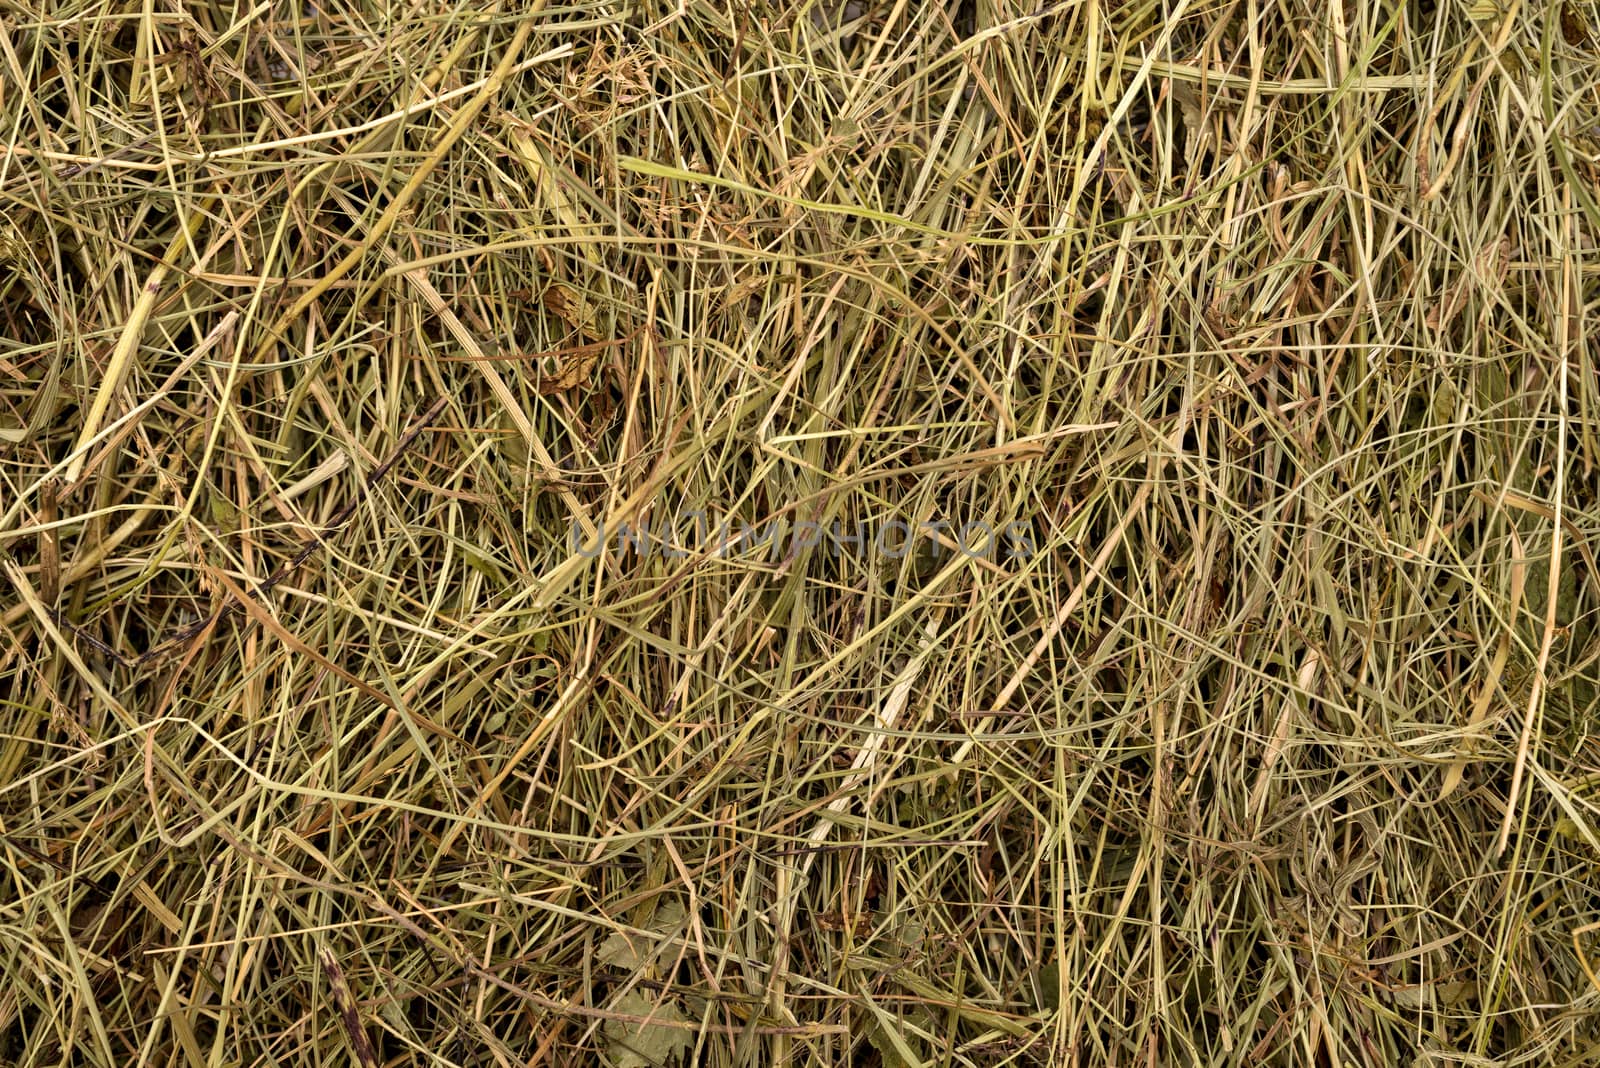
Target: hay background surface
(1272, 326)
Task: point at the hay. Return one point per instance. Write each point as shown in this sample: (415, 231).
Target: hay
(835, 534)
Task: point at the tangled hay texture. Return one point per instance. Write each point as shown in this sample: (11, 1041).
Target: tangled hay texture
(1152, 620)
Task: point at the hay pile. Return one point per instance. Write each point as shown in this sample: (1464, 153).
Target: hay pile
(747, 534)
